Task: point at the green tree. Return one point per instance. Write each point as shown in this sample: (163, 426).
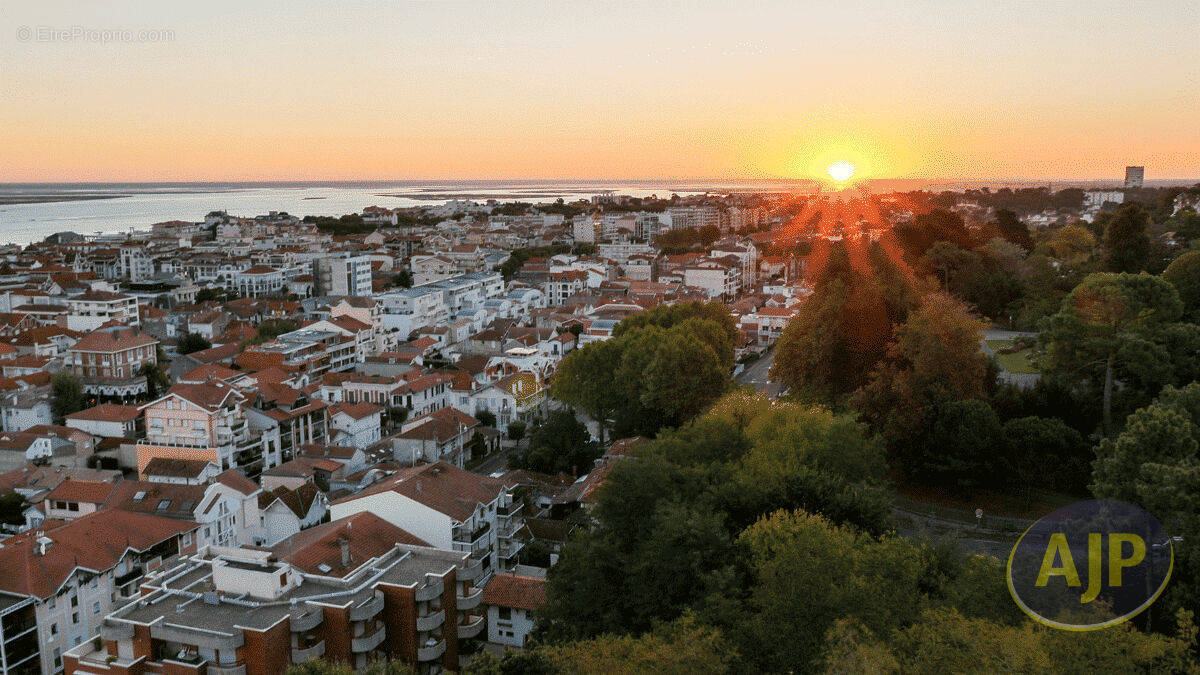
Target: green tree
(958, 448)
(842, 331)
(486, 419)
(935, 359)
(1184, 275)
(682, 647)
(1126, 245)
(192, 342)
(156, 379)
(516, 430)
(66, 395)
(561, 444)
(1108, 330)
(1010, 227)
(1155, 463)
(661, 368)
(1046, 453)
(12, 508)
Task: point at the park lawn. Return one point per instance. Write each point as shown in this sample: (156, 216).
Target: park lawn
(1016, 362)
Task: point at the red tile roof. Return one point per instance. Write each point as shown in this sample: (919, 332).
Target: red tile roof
(440, 486)
(368, 535)
(515, 590)
(85, 491)
(94, 542)
(114, 339)
(106, 412)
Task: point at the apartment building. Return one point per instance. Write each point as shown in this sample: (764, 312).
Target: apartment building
(746, 256)
(206, 422)
(88, 311)
(355, 424)
(75, 574)
(448, 507)
(258, 280)
(108, 359)
(352, 592)
(342, 276)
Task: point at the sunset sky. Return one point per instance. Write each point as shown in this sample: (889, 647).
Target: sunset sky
(291, 90)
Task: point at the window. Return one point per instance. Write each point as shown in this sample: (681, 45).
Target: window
(54, 629)
(186, 539)
(57, 658)
(74, 600)
(505, 613)
(95, 608)
(74, 617)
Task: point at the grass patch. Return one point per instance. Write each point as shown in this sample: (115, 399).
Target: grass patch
(1016, 362)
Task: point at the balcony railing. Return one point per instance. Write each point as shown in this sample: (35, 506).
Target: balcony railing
(368, 642)
(308, 653)
(235, 669)
(431, 652)
(470, 600)
(309, 620)
(463, 537)
(368, 609)
(472, 628)
(432, 621)
(429, 591)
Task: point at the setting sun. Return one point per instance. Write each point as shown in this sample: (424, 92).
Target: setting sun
(840, 171)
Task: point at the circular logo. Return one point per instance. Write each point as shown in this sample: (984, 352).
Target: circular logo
(1090, 565)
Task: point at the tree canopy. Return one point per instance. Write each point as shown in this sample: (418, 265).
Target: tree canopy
(661, 368)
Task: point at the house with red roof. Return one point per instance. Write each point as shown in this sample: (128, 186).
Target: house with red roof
(108, 360)
(510, 600)
(69, 577)
(450, 508)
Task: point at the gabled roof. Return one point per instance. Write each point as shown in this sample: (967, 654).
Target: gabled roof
(95, 542)
(114, 339)
(515, 591)
(210, 395)
(83, 491)
(235, 479)
(366, 534)
(440, 486)
(106, 412)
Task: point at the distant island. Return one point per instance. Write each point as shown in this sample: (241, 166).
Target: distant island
(8, 200)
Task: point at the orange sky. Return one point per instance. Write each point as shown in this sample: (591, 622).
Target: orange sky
(291, 90)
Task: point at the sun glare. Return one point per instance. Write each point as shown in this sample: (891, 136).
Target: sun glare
(840, 171)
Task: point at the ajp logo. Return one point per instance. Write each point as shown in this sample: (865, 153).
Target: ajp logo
(1090, 565)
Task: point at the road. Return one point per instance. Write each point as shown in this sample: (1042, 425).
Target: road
(756, 375)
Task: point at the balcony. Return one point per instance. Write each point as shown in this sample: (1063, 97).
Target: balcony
(470, 571)
(471, 629)
(510, 547)
(235, 669)
(306, 621)
(509, 509)
(431, 652)
(431, 621)
(428, 591)
(470, 600)
(368, 642)
(463, 537)
(315, 651)
(368, 609)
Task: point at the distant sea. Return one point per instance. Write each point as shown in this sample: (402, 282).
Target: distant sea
(30, 212)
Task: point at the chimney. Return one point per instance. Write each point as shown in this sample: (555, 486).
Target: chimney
(42, 543)
(346, 559)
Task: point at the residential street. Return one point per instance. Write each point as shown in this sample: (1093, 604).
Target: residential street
(756, 375)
